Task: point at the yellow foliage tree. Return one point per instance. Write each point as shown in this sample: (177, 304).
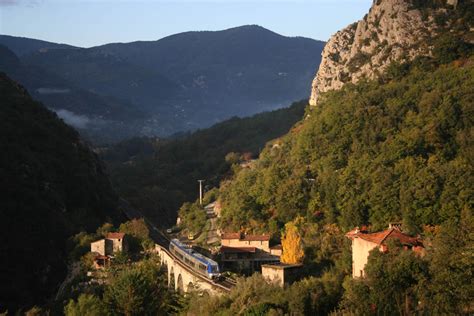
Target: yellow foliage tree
(292, 245)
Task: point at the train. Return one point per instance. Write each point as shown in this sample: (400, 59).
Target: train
(194, 260)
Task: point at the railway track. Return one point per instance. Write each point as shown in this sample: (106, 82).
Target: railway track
(162, 239)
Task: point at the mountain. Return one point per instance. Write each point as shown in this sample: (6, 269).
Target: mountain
(157, 175)
(98, 117)
(247, 66)
(23, 45)
(392, 31)
(189, 80)
(105, 74)
(394, 148)
(53, 187)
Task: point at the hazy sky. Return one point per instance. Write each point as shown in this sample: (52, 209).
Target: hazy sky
(93, 22)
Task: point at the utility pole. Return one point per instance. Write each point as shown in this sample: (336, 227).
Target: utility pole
(200, 191)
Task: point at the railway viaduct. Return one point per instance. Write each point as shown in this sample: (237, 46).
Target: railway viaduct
(183, 279)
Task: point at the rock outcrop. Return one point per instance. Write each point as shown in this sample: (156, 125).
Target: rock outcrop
(393, 30)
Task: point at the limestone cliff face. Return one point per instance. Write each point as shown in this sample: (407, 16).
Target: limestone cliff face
(393, 30)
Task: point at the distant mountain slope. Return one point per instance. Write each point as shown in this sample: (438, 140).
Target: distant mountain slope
(52, 186)
(247, 63)
(106, 74)
(194, 79)
(23, 45)
(97, 117)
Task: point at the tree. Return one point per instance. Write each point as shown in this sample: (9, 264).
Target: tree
(393, 284)
(139, 234)
(452, 267)
(86, 305)
(103, 230)
(292, 246)
(139, 290)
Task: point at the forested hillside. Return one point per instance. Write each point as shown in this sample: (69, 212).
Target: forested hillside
(396, 149)
(159, 175)
(52, 186)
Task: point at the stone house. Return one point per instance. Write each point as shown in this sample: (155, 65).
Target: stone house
(281, 274)
(261, 242)
(112, 243)
(363, 242)
(118, 241)
(247, 252)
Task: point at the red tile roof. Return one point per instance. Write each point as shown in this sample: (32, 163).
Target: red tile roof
(245, 237)
(231, 236)
(225, 249)
(115, 235)
(256, 238)
(381, 237)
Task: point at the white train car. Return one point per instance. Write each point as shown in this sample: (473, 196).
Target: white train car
(196, 261)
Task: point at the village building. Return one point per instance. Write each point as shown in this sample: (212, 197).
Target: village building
(104, 249)
(363, 242)
(281, 274)
(246, 252)
(119, 243)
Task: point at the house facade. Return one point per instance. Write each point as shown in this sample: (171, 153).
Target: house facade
(240, 240)
(281, 274)
(104, 249)
(245, 252)
(363, 242)
(117, 241)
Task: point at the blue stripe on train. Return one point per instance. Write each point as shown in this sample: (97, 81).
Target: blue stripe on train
(207, 263)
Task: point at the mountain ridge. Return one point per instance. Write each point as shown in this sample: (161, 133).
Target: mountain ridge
(194, 79)
(21, 45)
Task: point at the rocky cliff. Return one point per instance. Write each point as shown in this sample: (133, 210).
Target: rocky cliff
(393, 30)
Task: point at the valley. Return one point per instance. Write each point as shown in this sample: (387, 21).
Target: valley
(243, 172)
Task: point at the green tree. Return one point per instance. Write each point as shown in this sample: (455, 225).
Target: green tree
(105, 229)
(393, 283)
(452, 267)
(138, 234)
(193, 217)
(139, 290)
(86, 305)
